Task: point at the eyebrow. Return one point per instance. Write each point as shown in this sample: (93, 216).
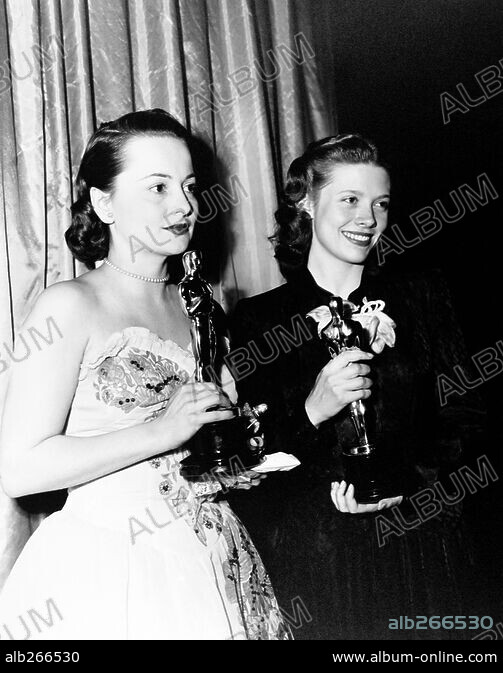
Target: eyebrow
(157, 175)
(355, 191)
(165, 175)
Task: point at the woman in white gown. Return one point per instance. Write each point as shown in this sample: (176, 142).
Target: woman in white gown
(105, 409)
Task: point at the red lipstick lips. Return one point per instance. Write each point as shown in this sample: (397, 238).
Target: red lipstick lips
(179, 228)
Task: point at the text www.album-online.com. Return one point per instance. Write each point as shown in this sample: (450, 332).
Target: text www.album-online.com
(382, 657)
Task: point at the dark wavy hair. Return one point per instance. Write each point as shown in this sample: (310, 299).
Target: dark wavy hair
(307, 175)
(88, 237)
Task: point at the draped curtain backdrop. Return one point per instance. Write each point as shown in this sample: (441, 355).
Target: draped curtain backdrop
(243, 75)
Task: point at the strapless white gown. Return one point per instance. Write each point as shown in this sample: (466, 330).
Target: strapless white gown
(140, 553)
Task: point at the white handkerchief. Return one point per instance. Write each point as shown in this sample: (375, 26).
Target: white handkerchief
(275, 462)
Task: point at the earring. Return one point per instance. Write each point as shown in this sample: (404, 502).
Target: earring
(110, 216)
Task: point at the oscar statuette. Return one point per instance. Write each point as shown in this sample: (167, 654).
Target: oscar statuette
(225, 446)
(373, 476)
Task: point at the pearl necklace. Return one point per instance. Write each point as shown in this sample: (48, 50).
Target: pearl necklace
(148, 279)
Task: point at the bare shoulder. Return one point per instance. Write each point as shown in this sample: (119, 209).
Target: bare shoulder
(68, 308)
(67, 298)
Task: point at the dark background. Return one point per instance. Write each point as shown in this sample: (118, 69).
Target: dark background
(391, 60)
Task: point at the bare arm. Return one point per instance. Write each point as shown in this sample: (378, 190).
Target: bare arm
(34, 454)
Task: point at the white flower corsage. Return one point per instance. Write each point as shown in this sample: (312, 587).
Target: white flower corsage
(379, 326)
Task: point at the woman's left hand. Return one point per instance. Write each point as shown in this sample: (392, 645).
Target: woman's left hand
(244, 480)
(344, 500)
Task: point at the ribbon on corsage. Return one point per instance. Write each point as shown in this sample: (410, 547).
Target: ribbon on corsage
(379, 326)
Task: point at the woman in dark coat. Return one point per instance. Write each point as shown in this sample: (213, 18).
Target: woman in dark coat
(354, 568)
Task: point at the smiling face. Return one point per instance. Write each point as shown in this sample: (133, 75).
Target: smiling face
(153, 202)
(350, 212)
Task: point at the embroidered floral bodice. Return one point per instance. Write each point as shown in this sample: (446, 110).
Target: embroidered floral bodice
(126, 381)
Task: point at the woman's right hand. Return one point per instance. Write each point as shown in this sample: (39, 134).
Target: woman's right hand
(342, 381)
(187, 411)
